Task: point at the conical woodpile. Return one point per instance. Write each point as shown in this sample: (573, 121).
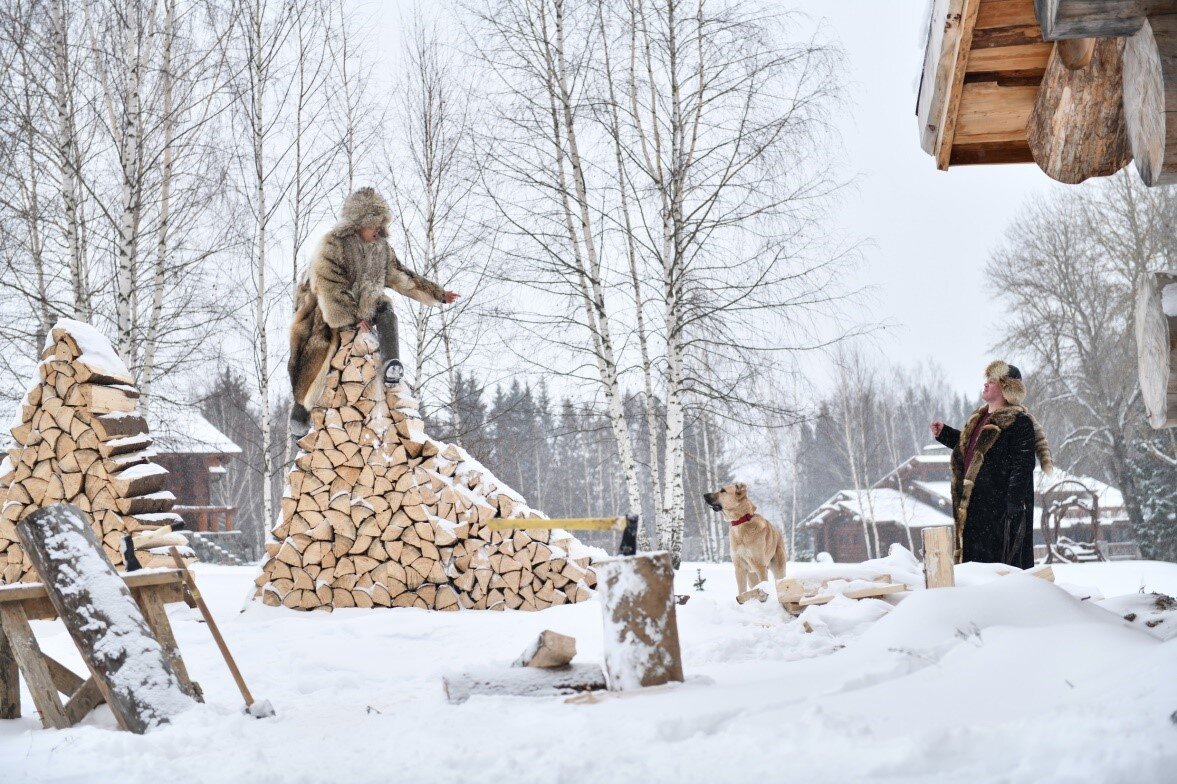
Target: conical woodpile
(79, 438)
(376, 513)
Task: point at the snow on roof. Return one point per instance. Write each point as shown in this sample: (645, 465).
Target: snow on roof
(181, 429)
(940, 489)
(884, 505)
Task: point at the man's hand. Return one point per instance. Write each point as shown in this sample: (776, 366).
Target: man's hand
(451, 297)
(364, 325)
(936, 427)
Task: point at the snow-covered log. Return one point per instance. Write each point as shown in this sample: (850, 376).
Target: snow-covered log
(641, 628)
(1156, 346)
(127, 661)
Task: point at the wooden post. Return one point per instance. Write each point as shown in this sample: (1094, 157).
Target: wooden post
(641, 629)
(126, 660)
(9, 680)
(938, 556)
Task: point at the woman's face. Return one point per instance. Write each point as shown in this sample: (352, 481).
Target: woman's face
(369, 233)
(991, 392)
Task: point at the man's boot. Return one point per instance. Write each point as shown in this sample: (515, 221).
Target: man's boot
(300, 421)
(386, 333)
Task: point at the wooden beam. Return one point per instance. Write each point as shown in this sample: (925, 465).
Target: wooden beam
(9, 680)
(1156, 346)
(15, 626)
(1086, 18)
(945, 59)
(1077, 129)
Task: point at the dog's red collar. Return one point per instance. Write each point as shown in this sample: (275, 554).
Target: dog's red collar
(742, 520)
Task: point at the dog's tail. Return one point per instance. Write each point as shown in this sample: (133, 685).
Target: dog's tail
(779, 559)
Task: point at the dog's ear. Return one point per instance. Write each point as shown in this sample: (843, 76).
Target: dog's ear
(740, 488)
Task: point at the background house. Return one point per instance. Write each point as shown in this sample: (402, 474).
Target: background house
(917, 494)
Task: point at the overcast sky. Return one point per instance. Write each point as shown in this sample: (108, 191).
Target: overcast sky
(929, 232)
(932, 231)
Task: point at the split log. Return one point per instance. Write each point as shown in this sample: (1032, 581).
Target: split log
(939, 543)
(550, 649)
(103, 619)
(1150, 96)
(1156, 346)
(641, 629)
(1077, 129)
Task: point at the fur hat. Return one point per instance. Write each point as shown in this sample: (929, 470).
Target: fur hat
(1010, 379)
(363, 208)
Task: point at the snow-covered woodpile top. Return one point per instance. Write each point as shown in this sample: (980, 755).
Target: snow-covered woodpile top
(376, 513)
(78, 437)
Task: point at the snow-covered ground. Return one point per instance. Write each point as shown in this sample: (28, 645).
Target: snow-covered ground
(1002, 679)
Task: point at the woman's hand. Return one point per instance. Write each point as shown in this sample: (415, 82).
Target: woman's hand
(451, 297)
(936, 427)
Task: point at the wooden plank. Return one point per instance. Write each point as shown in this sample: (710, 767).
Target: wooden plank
(936, 79)
(102, 618)
(939, 543)
(991, 112)
(567, 523)
(15, 626)
(948, 124)
(152, 603)
(1031, 57)
(85, 699)
(9, 680)
(66, 680)
(1013, 151)
(1007, 13)
(20, 592)
(866, 592)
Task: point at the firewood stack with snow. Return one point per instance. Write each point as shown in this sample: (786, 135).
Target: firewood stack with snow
(80, 439)
(376, 513)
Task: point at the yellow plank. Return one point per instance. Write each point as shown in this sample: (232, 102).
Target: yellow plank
(568, 523)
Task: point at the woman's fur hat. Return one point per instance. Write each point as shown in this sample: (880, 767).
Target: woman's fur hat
(1010, 379)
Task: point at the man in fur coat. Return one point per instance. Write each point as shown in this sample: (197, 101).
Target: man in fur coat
(993, 472)
(344, 289)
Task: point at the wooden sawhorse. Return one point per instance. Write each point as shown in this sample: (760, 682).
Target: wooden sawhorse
(46, 677)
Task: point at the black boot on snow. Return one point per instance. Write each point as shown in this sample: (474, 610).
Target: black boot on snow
(394, 371)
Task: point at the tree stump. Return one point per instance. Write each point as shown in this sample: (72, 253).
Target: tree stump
(641, 629)
(127, 661)
(1156, 346)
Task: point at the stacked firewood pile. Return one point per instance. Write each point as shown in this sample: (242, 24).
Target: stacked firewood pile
(80, 439)
(376, 513)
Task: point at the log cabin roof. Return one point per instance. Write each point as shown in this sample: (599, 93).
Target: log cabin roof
(983, 63)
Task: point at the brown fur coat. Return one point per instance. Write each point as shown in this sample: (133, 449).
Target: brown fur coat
(993, 496)
(344, 285)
